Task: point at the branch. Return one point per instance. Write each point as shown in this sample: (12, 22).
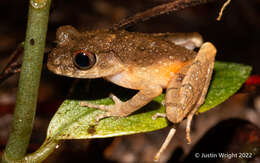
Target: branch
(158, 10)
(13, 65)
(222, 9)
(29, 80)
(38, 156)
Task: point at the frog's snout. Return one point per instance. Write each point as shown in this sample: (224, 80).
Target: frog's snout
(52, 61)
(55, 62)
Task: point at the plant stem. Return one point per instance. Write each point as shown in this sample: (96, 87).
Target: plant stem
(40, 155)
(29, 80)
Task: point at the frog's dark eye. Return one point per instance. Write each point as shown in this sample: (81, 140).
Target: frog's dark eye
(83, 59)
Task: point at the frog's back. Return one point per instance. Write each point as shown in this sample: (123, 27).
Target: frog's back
(141, 49)
(147, 60)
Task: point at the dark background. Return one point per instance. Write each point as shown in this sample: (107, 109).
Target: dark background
(236, 37)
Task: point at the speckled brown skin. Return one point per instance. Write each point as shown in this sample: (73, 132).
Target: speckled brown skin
(121, 47)
(145, 62)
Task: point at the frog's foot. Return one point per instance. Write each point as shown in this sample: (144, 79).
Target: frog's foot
(157, 115)
(103, 107)
(163, 103)
(110, 109)
(102, 116)
(97, 106)
(115, 99)
(188, 125)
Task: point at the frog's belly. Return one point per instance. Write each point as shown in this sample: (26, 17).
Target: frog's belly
(144, 77)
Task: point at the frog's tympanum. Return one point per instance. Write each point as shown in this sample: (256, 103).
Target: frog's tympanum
(145, 62)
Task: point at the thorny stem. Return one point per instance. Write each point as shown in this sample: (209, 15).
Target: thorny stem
(29, 80)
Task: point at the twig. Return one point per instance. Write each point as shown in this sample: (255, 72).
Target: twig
(13, 65)
(222, 9)
(158, 10)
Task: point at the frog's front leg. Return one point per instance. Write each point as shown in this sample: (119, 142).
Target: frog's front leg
(187, 90)
(122, 109)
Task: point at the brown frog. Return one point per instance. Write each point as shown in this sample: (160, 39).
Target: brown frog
(145, 62)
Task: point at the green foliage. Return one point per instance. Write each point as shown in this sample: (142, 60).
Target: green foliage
(75, 122)
(227, 79)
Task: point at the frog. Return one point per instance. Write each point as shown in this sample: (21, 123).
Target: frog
(147, 62)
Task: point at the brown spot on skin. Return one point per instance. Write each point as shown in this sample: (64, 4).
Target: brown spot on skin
(32, 42)
(196, 63)
(92, 129)
(188, 86)
(180, 77)
(141, 48)
(185, 59)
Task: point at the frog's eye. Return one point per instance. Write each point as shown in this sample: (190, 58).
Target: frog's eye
(83, 59)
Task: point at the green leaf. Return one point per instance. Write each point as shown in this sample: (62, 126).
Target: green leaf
(226, 81)
(72, 121)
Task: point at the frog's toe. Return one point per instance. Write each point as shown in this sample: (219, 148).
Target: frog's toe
(97, 106)
(102, 116)
(115, 99)
(157, 115)
(109, 113)
(163, 103)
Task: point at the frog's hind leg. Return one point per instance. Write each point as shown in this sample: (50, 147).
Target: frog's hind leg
(203, 93)
(187, 90)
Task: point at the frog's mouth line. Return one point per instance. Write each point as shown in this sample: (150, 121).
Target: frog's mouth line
(59, 71)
